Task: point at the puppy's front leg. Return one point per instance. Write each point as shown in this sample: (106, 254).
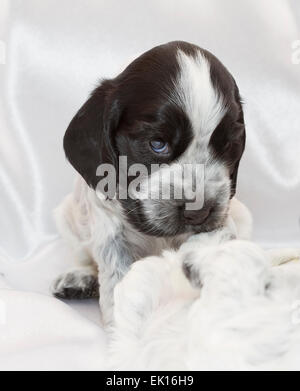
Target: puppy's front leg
(114, 260)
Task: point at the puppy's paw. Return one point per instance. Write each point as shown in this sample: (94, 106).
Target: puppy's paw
(80, 283)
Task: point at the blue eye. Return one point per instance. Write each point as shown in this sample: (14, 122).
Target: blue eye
(159, 146)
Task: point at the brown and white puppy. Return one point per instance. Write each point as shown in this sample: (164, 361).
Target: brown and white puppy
(176, 104)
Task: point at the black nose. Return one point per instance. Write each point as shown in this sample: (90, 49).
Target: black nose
(196, 217)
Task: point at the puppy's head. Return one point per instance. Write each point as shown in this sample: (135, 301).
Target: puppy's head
(176, 105)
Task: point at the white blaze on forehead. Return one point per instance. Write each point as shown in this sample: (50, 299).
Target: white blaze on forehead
(194, 89)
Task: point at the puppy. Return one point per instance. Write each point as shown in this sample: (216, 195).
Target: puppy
(173, 106)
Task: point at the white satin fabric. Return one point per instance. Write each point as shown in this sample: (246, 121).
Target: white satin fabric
(56, 50)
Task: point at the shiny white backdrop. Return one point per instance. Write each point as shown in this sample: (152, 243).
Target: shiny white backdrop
(56, 50)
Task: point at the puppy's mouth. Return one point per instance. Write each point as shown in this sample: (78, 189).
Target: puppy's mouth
(210, 224)
(202, 228)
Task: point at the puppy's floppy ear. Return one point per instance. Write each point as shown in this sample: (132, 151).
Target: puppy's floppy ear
(89, 139)
(228, 142)
(240, 136)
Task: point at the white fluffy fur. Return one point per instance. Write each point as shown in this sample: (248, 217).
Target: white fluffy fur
(241, 318)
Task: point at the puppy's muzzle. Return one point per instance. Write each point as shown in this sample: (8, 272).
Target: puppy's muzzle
(197, 217)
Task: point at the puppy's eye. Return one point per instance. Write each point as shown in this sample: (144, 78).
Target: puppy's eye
(159, 146)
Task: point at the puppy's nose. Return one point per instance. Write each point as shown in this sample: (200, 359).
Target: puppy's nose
(196, 217)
